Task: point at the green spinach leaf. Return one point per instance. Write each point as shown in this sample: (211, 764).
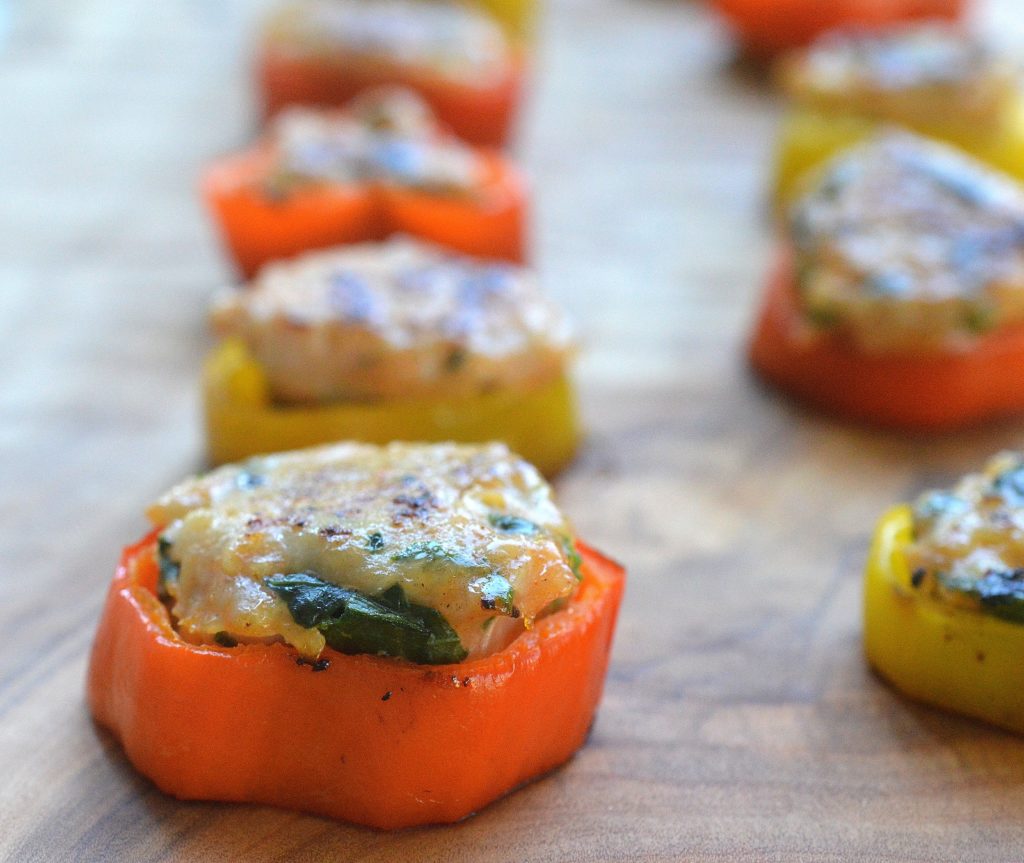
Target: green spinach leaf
(1000, 594)
(169, 571)
(352, 622)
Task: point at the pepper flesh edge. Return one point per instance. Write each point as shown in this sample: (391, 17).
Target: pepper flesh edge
(480, 115)
(256, 230)
(810, 137)
(539, 423)
(376, 741)
(954, 658)
(769, 27)
(916, 393)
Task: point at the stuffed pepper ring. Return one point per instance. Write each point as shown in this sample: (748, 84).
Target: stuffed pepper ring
(326, 52)
(944, 596)
(936, 80)
(390, 341)
(390, 636)
(380, 166)
(899, 298)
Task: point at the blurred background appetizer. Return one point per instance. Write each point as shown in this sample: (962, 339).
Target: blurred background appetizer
(899, 296)
(391, 636)
(944, 596)
(934, 79)
(398, 340)
(766, 28)
(326, 52)
(382, 165)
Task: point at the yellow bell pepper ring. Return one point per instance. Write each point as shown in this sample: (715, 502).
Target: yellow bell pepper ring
(810, 137)
(955, 658)
(540, 424)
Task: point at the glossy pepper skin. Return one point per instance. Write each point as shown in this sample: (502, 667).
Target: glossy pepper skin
(480, 115)
(810, 137)
(925, 393)
(540, 424)
(257, 228)
(770, 27)
(955, 658)
(372, 740)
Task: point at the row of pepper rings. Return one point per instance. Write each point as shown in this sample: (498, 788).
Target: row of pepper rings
(936, 166)
(262, 216)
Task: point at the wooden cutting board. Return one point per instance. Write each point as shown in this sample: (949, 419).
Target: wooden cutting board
(739, 721)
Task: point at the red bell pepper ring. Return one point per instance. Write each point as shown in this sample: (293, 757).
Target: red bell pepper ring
(770, 27)
(372, 740)
(926, 392)
(482, 114)
(258, 227)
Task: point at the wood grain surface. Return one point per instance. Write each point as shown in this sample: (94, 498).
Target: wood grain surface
(739, 722)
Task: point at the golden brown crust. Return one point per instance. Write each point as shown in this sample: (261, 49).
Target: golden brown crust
(396, 320)
(441, 521)
(907, 245)
(919, 74)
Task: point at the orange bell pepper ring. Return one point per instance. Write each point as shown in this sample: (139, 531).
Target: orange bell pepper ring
(479, 105)
(258, 224)
(770, 27)
(372, 740)
(927, 393)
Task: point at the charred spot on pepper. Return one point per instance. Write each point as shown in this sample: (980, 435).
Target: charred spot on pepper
(225, 639)
(315, 664)
(386, 696)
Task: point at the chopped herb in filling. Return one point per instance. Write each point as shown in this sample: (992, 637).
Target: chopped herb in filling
(968, 546)
(169, 570)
